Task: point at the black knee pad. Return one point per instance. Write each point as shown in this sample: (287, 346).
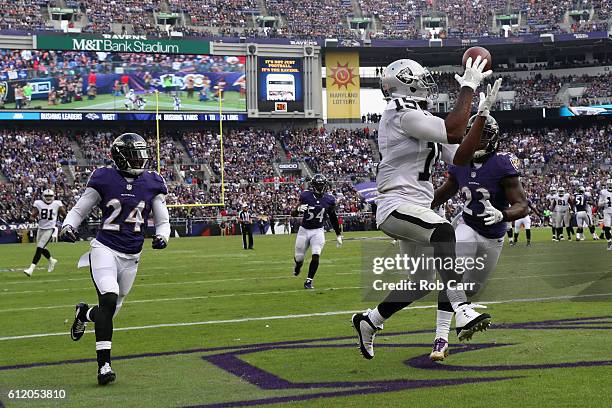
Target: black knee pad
(108, 302)
(443, 233)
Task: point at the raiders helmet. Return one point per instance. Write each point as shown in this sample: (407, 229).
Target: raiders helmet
(609, 184)
(130, 154)
(319, 183)
(48, 196)
(553, 190)
(489, 141)
(561, 191)
(408, 78)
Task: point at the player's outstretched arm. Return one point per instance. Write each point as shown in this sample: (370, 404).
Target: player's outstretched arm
(333, 219)
(78, 213)
(519, 206)
(161, 219)
(465, 152)
(457, 119)
(445, 192)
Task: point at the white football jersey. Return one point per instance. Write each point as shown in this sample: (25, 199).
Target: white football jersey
(410, 142)
(605, 201)
(561, 202)
(47, 213)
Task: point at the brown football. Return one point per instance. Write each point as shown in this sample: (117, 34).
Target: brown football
(475, 52)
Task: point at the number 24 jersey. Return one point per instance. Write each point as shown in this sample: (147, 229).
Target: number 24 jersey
(126, 205)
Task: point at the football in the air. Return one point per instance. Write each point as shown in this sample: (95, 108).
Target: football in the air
(475, 52)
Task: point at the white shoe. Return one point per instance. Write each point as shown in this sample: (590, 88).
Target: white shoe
(52, 262)
(439, 351)
(468, 321)
(29, 271)
(366, 332)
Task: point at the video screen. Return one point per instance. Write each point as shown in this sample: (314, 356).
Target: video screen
(102, 81)
(280, 80)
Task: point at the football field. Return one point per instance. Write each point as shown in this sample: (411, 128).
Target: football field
(231, 103)
(209, 324)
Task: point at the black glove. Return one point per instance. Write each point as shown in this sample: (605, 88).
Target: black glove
(68, 234)
(159, 242)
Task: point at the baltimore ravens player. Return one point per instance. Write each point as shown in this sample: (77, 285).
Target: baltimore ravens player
(126, 194)
(315, 204)
(45, 211)
(411, 140)
(584, 217)
(494, 195)
(605, 203)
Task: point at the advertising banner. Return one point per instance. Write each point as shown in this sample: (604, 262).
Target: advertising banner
(342, 85)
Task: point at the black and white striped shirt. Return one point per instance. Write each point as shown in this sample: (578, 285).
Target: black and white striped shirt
(245, 216)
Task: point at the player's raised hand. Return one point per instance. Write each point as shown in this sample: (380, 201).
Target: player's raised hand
(473, 74)
(302, 208)
(491, 214)
(488, 100)
(68, 234)
(159, 242)
(338, 241)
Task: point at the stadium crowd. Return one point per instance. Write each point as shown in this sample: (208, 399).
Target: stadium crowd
(32, 160)
(393, 20)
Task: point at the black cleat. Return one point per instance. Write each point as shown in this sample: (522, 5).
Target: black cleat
(106, 375)
(78, 326)
(297, 270)
(308, 285)
(366, 331)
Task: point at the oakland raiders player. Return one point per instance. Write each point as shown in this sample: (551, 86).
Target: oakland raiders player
(605, 203)
(315, 204)
(494, 195)
(561, 214)
(411, 141)
(584, 217)
(126, 194)
(45, 211)
(524, 222)
(550, 197)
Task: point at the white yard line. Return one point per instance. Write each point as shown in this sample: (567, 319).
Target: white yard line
(283, 317)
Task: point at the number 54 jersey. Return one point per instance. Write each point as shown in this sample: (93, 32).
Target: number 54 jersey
(126, 205)
(314, 216)
(480, 183)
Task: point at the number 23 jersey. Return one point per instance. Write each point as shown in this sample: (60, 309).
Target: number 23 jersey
(126, 205)
(478, 184)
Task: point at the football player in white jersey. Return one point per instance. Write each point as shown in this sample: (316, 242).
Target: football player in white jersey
(561, 217)
(605, 203)
(411, 140)
(45, 211)
(550, 197)
(524, 222)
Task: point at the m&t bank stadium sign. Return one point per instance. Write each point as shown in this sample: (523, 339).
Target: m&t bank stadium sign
(116, 44)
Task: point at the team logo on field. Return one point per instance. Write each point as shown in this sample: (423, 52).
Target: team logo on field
(342, 75)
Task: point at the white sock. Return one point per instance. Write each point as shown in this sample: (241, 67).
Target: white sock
(32, 266)
(443, 323)
(376, 318)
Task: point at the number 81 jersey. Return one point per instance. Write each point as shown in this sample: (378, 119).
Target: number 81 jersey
(478, 184)
(126, 205)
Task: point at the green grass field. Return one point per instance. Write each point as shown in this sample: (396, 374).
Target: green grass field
(209, 324)
(231, 103)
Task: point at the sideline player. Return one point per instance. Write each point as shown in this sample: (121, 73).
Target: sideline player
(315, 204)
(526, 223)
(561, 214)
(126, 194)
(411, 140)
(494, 195)
(605, 203)
(584, 216)
(45, 211)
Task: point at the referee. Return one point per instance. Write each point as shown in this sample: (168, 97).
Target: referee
(246, 225)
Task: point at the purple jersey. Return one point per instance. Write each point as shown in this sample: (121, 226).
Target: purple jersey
(483, 183)
(317, 207)
(125, 207)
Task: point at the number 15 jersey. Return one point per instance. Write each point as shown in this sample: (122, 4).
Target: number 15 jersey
(126, 205)
(410, 141)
